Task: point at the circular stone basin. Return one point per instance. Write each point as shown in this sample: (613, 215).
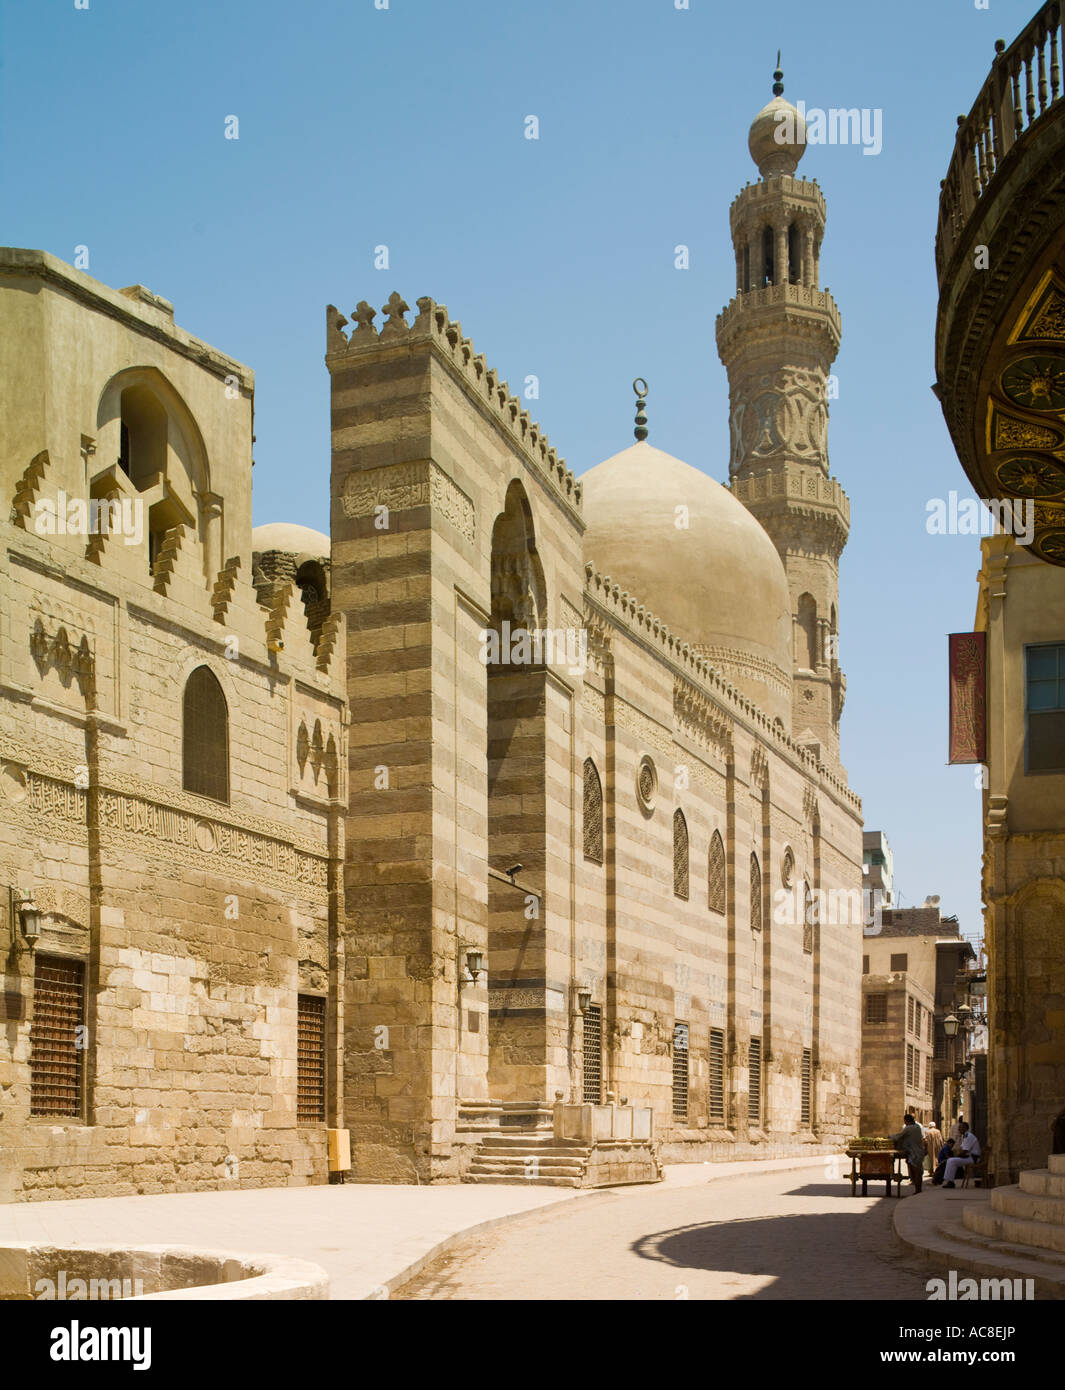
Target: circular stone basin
(31, 1272)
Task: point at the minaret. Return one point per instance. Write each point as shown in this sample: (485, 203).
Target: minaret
(778, 339)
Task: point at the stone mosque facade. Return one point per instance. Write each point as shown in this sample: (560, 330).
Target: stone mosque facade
(306, 834)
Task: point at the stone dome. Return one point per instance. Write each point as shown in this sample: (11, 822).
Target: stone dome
(292, 539)
(775, 156)
(717, 583)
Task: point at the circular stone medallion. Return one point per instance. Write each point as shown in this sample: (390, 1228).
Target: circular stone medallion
(646, 783)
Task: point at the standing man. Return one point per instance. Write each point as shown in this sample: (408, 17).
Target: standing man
(910, 1142)
(933, 1140)
(967, 1152)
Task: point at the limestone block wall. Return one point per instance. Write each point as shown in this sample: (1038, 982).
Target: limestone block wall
(1021, 602)
(671, 959)
(428, 448)
(197, 921)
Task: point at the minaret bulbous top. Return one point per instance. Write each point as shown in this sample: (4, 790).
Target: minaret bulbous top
(777, 138)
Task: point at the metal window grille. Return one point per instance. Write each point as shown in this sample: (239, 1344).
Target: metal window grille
(876, 1008)
(941, 1043)
(931, 1025)
(917, 1018)
(593, 813)
(900, 961)
(806, 1088)
(593, 1055)
(754, 1082)
(717, 1074)
(310, 1061)
(680, 855)
(715, 874)
(680, 1071)
(205, 736)
(56, 1074)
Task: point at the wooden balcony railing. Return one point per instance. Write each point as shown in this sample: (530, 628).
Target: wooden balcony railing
(1022, 87)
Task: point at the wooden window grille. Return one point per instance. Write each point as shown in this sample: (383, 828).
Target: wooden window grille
(310, 1061)
(717, 1074)
(865, 965)
(930, 1018)
(754, 1082)
(806, 1088)
(928, 1086)
(56, 1069)
(900, 962)
(593, 1055)
(909, 1013)
(876, 1008)
(756, 894)
(205, 736)
(680, 1071)
(715, 875)
(680, 855)
(593, 813)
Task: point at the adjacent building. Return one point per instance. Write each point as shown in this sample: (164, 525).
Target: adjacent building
(1000, 362)
(912, 984)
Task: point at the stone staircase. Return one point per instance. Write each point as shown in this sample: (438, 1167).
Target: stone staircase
(1030, 1214)
(537, 1159)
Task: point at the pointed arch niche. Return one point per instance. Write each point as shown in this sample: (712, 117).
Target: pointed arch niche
(517, 816)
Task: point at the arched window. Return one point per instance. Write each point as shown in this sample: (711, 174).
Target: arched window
(205, 736)
(809, 917)
(680, 854)
(593, 813)
(806, 638)
(794, 254)
(715, 874)
(767, 257)
(756, 894)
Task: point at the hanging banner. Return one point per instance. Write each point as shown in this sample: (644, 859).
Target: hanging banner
(968, 697)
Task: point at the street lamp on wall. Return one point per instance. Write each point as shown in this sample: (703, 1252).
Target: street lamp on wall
(584, 1000)
(25, 918)
(950, 1026)
(474, 963)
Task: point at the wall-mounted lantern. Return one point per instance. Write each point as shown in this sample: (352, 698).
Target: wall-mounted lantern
(25, 917)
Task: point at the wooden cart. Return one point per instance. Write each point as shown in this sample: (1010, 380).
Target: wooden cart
(877, 1165)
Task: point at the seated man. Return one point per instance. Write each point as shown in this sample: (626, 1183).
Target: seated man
(946, 1151)
(969, 1147)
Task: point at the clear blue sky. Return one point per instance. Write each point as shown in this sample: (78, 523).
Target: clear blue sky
(404, 126)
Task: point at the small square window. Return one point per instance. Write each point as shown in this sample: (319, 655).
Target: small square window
(900, 961)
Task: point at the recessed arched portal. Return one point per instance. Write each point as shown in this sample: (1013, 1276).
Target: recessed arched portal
(519, 1026)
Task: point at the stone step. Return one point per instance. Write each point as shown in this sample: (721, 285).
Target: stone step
(1056, 1165)
(558, 1165)
(1038, 1235)
(495, 1147)
(1011, 1201)
(1043, 1183)
(1001, 1247)
(533, 1182)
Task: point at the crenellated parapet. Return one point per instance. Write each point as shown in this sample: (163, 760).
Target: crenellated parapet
(432, 326)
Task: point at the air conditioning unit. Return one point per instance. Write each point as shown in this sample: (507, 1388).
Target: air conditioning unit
(339, 1146)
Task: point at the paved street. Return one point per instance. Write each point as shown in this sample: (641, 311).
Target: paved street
(776, 1234)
